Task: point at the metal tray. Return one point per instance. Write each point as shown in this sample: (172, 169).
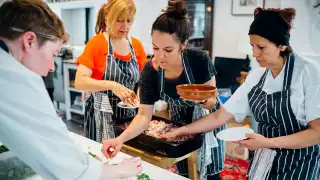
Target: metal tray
(159, 146)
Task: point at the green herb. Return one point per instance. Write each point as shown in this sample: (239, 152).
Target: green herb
(13, 168)
(3, 149)
(143, 176)
(93, 155)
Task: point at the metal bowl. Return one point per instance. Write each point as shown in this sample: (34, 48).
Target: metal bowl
(196, 92)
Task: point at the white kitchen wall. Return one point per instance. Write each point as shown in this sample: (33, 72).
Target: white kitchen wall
(147, 12)
(305, 35)
(75, 23)
(230, 31)
(73, 16)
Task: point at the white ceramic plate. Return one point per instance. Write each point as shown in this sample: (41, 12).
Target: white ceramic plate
(234, 134)
(127, 106)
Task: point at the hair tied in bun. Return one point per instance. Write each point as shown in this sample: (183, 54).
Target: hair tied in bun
(174, 21)
(176, 9)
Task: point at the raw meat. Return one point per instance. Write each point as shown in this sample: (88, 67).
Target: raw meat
(158, 127)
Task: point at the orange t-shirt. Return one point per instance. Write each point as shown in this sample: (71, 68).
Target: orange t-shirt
(96, 50)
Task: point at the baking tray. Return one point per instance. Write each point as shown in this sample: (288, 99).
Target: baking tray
(159, 146)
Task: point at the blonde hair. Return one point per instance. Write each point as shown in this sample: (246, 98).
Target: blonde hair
(110, 12)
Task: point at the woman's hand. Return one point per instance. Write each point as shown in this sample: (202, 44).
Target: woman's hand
(126, 95)
(255, 141)
(206, 104)
(125, 169)
(171, 136)
(129, 167)
(209, 103)
(111, 147)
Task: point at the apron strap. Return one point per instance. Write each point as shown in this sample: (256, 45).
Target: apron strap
(108, 59)
(160, 71)
(161, 84)
(110, 48)
(262, 79)
(288, 72)
(133, 55)
(161, 79)
(187, 69)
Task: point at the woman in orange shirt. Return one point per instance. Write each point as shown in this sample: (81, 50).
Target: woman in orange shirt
(109, 69)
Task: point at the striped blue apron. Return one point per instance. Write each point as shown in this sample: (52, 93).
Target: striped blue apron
(211, 154)
(274, 114)
(101, 107)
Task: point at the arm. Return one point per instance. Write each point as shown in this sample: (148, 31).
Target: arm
(207, 123)
(306, 138)
(148, 96)
(86, 63)
(84, 81)
(236, 107)
(31, 129)
(148, 92)
(310, 136)
(302, 139)
(138, 92)
(139, 123)
(136, 127)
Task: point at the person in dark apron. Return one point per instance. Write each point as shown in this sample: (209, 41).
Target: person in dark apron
(185, 112)
(117, 80)
(284, 98)
(173, 64)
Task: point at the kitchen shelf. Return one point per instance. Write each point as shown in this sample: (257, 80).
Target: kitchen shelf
(69, 65)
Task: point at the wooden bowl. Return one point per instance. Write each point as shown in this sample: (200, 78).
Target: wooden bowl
(196, 92)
